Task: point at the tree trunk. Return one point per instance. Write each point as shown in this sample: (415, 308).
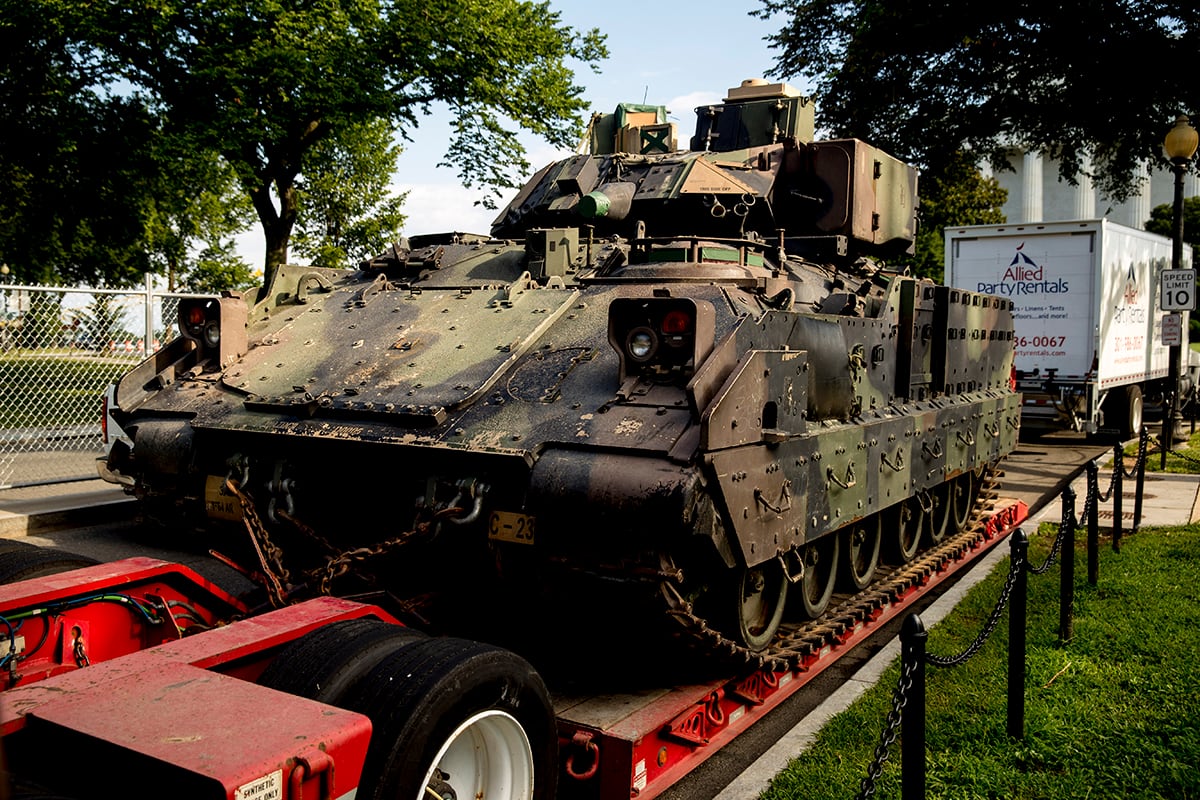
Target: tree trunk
(276, 224)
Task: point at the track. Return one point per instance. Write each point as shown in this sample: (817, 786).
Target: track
(1035, 473)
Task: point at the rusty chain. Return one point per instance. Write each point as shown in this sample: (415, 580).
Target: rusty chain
(339, 564)
(276, 578)
(270, 556)
(891, 729)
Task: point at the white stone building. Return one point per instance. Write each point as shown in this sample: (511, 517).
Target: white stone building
(1036, 193)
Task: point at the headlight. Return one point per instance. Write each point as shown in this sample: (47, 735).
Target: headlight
(661, 338)
(217, 326)
(642, 343)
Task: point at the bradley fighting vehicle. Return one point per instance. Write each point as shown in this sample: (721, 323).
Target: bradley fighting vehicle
(671, 387)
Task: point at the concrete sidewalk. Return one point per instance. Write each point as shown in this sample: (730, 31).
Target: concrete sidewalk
(25, 510)
(1167, 499)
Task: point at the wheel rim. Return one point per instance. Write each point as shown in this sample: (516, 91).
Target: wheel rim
(962, 497)
(761, 597)
(939, 517)
(488, 755)
(1135, 413)
(820, 569)
(862, 552)
(907, 537)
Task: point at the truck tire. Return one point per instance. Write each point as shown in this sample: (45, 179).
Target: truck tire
(21, 564)
(1134, 407)
(324, 664)
(456, 715)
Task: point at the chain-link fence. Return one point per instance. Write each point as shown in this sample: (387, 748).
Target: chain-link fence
(59, 350)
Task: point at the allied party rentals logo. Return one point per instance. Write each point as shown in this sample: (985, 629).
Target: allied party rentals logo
(1024, 276)
(1131, 287)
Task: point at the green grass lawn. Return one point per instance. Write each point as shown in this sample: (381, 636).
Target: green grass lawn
(1114, 712)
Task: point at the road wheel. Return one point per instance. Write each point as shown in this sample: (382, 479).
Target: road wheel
(902, 531)
(324, 664)
(940, 499)
(457, 717)
(963, 490)
(22, 563)
(861, 548)
(820, 574)
(760, 598)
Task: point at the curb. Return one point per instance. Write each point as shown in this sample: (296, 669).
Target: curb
(16, 524)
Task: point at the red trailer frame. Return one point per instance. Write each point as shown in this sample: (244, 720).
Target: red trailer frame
(154, 704)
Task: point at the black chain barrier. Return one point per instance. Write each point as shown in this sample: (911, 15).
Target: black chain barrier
(891, 730)
(909, 693)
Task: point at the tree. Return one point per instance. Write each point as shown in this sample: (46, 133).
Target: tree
(1162, 221)
(92, 189)
(195, 211)
(262, 82)
(959, 195)
(72, 186)
(1090, 79)
(346, 211)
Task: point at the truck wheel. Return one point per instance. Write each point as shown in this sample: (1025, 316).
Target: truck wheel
(457, 718)
(1133, 412)
(861, 546)
(35, 562)
(324, 664)
(820, 574)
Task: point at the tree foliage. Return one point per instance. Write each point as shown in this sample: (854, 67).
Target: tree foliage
(347, 210)
(71, 182)
(1089, 79)
(263, 82)
(92, 189)
(1162, 221)
(958, 195)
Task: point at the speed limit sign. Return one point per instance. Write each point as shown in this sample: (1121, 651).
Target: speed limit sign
(1178, 289)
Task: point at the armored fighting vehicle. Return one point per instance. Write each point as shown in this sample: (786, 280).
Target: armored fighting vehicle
(694, 387)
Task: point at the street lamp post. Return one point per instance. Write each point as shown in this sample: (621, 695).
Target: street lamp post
(1179, 146)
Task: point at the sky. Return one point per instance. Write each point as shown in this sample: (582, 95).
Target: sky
(673, 54)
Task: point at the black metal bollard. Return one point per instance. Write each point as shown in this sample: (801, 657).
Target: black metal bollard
(1093, 533)
(1141, 481)
(1017, 605)
(1066, 569)
(1118, 491)
(912, 722)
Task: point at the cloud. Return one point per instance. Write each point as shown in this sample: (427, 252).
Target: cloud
(441, 208)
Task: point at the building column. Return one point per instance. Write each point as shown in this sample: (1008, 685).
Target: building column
(1031, 187)
(1138, 204)
(1085, 192)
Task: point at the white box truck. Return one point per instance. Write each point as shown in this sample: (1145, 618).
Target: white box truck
(1087, 316)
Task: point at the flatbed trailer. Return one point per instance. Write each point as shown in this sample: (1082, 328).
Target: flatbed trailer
(141, 673)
